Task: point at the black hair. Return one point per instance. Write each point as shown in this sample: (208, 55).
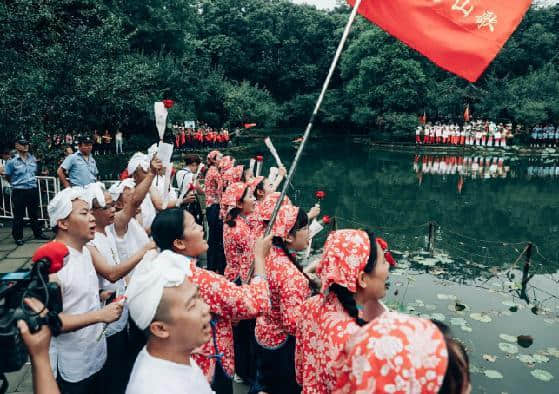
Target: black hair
(232, 215)
(345, 296)
(301, 222)
(457, 373)
(167, 227)
(191, 158)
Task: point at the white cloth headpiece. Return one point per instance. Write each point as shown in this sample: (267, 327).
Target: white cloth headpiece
(152, 149)
(96, 191)
(139, 159)
(117, 188)
(60, 207)
(150, 277)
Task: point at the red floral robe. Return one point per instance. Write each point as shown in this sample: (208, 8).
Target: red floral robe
(322, 332)
(289, 288)
(238, 245)
(227, 302)
(213, 186)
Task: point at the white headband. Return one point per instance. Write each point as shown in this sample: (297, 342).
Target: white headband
(150, 277)
(138, 160)
(60, 207)
(96, 191)
(117, 188)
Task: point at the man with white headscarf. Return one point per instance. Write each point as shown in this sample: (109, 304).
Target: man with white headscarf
(166, 305)
(111, 271)
(80, 350)
(138, 168)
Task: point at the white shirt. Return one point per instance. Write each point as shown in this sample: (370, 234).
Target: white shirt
(154, 375)
(134, 239)
(79, 354)
(118, 136)
(106, 245)
(147, 207)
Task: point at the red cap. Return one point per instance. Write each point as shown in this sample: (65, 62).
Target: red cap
(55, 252)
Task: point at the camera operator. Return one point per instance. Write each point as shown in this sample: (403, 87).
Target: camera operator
(81, 349)
(38, 347)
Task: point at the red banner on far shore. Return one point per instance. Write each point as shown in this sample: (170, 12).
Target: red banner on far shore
(461, 36)
(250, 125)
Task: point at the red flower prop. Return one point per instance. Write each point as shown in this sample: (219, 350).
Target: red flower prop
(326, 219)
(168, 103)
(387, 255)
(259, 158)
(320, 194)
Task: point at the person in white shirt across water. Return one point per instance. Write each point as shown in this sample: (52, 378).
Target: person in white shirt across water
(167, 306)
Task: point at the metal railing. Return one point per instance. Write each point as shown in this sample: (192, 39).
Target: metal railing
(47, 186)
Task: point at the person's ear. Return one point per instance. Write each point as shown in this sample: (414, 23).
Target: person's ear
(362, 280)
(63, 224)
(179, 244)
(159, 329)
(289, 239)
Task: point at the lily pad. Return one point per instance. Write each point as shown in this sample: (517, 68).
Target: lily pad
(458, 321)
(490, 358)
(526, 358)
(539, 358)
(466, 328)
(509, 303)
(430, 307)
(540, 374)
(552, 351)
(481, 317)
(438, 316)
(525, 340)
(508, 348)
(425, 316)
(508, 338)
(428, 262)
(446, 297)
(491, 374)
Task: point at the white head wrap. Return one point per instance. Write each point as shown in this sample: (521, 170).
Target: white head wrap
(150, 277)
(152, 149)
(96, 191)
(117, 188)
(60, 207)
(139, 159)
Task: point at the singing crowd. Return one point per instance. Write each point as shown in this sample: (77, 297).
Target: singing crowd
(475, 133)
(142, 314)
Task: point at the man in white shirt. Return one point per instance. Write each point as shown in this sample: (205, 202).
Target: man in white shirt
(166, 305)
(80, 350)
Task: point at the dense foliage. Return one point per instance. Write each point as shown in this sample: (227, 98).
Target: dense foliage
(77, 65)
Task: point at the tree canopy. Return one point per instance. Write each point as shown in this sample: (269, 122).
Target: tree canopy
(77, 65)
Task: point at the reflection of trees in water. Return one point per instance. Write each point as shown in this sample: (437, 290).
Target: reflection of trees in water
(378, 189)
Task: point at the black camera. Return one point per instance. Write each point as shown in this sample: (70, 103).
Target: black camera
(14, 287)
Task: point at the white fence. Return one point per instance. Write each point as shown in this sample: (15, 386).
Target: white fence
(48, 187)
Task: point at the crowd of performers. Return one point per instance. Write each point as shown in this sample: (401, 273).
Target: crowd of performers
(475, 167)
(253, 310)
(475, 133)
(200, 137)
(544, 136)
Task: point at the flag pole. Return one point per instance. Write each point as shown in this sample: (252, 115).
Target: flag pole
(313, 116)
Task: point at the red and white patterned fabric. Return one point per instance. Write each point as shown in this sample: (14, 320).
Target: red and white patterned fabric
(345, 255)
(256, 225)
(322, 332)
(228, 302)
(285, 220)
(214, 155)
(232, 175)
(395, 353)
(231, 197)
(289, 288)
(255, 181)
(266, 207)
(238, 245)
(213, 186)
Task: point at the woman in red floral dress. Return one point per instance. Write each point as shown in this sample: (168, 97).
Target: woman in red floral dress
(353, 273)
(289, 288)
(176, 230)
(213, 189)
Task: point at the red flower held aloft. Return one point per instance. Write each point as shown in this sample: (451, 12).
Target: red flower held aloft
(320, 194)
(259, 158)
(168, 103)
(326, 219)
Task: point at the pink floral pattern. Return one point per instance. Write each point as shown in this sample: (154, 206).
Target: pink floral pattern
(266, 207)
(238, 245)
(394, 353)
(228, 302)
(213, 185)
(289, 288)
(286, 219)
(322, 332)
(231, 197)
(232, 175)
(345, 255)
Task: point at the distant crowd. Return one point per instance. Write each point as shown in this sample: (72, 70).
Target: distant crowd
(200, 137)
(544, 136)
(102, 142)
(476, 133)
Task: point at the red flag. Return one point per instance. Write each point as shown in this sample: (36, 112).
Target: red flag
(467, 113)
(250, 125)
(423, 118)
(461, 36)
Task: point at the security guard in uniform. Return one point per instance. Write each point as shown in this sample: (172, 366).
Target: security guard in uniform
(21, 172)
(80, 168)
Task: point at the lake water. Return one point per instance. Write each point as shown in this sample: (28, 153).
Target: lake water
(484, 219)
